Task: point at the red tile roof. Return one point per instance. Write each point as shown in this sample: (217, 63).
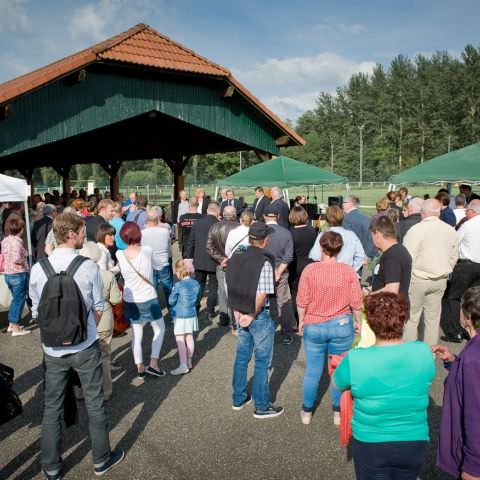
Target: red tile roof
(140, 45)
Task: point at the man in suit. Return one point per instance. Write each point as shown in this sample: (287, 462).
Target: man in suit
(231, 201)
(260, 203)
(279, 207)
(40, 230)
(205, 266)
(359, 224)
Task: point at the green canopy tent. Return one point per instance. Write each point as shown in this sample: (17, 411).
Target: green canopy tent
(282, 172)
(461, 166)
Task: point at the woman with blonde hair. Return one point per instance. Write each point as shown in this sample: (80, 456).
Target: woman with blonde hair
(182, 302)
(202, 201)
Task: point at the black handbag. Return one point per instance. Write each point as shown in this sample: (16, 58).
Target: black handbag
(10, 403)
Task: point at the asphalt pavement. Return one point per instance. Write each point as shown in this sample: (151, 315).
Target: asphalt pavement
(184, 427)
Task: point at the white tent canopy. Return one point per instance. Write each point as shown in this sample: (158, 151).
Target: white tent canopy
(13, 189)
(17, 190)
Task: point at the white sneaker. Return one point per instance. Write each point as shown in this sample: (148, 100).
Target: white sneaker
(18, 333)
(182, 369)
(336, 418)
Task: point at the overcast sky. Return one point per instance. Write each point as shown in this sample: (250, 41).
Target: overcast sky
(284, 52)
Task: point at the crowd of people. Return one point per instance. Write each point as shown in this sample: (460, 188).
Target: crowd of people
(403, 273)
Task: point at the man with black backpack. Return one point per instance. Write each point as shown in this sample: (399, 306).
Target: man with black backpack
(67, 301)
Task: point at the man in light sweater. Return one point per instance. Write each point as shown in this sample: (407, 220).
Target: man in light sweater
(433, 246)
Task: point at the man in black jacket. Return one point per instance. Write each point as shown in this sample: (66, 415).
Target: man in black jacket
(259, 204)
(40, 230)
(205, 266)
(217, 237)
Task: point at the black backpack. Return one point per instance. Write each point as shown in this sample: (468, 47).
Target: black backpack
(10, 404)
(62, 314)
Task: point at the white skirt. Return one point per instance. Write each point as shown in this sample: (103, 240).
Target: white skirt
(185, 325)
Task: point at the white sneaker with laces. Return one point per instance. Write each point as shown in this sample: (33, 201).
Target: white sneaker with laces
(182, 369)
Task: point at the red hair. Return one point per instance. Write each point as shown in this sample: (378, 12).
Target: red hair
(131, 233)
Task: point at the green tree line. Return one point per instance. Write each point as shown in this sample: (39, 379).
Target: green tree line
(410, 112)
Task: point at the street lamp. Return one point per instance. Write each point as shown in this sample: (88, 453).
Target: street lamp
(360, 129)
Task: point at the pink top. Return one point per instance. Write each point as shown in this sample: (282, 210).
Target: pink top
(327, 290)
(14, 255)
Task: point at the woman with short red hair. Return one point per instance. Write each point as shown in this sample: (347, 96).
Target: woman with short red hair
(389, 383)
(140, 297)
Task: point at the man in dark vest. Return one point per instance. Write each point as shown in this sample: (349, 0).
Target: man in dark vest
(250, 284)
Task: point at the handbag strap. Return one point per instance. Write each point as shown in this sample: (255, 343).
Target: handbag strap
(143, 277)
(237, 244)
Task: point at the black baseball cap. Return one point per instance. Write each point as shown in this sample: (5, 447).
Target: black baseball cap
(270, 212)
(259, 231)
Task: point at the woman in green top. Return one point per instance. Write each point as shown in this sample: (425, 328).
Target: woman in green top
(389, 383)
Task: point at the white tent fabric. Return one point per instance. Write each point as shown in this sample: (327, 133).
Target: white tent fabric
(13, 189)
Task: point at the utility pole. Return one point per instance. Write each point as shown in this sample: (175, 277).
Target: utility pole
(360, 129)
(449, 142)
(240, 160)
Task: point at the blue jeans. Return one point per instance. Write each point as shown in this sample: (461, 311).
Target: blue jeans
(88, 365)
(333, 337)
(18, 285)
(164, 278)
(258, 338)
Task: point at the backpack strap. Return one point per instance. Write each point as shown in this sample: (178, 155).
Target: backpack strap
(47, 267)
(74, 264)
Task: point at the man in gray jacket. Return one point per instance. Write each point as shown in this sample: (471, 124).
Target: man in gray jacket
(280, 247)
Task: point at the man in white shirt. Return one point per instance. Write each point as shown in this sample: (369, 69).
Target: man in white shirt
(465, 275)
(84, 358)
(433, 246)
(158, 237)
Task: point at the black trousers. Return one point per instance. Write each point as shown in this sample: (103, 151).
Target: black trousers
(388, 460)
(201, 277)
(466, 274)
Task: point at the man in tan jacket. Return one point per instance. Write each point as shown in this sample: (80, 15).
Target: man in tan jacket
(433, 246)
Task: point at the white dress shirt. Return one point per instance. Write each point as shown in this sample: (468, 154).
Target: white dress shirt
(90, 283)
(469, 234)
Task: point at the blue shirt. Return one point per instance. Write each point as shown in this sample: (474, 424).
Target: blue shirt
(352, 252)
(117, 223)
(139, 217)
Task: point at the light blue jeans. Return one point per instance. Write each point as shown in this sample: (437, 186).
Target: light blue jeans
(258, 339)
(332, 337)
(18, 285)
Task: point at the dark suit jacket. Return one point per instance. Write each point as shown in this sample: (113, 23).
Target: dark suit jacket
(282, 211)
(258, 210)
(197, 244)
(359, 224)
(39, 235)
(406, 224)
(236, 204)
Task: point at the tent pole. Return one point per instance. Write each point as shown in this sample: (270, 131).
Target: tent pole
(216, 194)
(29, 240)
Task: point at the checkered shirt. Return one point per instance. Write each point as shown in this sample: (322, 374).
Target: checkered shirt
(266, 280)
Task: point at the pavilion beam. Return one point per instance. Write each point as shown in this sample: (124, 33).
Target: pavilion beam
(263, 156)
(177, 165)
(112, 167)
(27, 172)
(64, 172)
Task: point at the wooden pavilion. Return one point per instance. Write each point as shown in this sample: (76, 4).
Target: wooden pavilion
(138, 95)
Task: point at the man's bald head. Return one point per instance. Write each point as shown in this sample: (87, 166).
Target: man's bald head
(431, 208)
(229, 213)
(474, 208)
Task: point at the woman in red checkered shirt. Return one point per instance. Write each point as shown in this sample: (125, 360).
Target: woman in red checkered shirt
(328, 293)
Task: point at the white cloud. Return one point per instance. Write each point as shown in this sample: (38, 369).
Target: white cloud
(13, 17)
(324, 70)
(96, 20)
(289, 86)
(353, 29)
(291, 106)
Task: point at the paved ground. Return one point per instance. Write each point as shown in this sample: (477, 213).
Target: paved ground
(184, 427)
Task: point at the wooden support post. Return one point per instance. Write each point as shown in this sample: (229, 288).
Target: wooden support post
(177, 165)
(112, 167)
(64, 172)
